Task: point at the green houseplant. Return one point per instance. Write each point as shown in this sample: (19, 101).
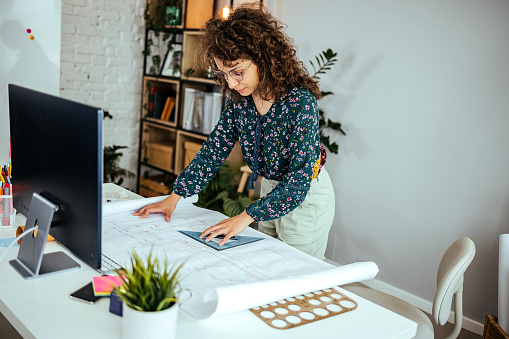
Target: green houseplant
(221, 194)
(324, 61)
(112, 170)
(161, 20)
(149, 294)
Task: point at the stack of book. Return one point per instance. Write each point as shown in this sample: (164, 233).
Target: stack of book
(169, 107)
(201, 110)
(161, 103)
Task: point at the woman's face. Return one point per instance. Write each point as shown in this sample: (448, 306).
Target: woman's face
(241, 75)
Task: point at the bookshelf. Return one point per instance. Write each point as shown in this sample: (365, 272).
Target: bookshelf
(179, 106)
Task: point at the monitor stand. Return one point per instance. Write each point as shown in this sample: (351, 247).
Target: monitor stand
(31, 263)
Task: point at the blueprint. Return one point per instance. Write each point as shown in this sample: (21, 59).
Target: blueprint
(218, 282)
(257, 261)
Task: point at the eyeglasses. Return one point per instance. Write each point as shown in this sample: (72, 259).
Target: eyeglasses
(234, 74)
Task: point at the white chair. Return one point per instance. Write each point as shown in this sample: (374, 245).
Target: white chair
(450, 274)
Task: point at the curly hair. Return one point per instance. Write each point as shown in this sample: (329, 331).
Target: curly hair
(251, 33)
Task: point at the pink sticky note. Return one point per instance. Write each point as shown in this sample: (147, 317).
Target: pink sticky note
(103, 285)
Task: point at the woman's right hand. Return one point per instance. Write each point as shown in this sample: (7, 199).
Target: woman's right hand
(166, 206)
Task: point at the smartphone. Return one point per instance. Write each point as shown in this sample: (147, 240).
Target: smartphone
(85, 294)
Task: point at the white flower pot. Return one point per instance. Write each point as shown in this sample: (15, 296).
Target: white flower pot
(161, 324)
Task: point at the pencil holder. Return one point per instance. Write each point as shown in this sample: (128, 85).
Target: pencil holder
(7, 211)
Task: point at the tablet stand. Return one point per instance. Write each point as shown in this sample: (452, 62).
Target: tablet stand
(31, 263)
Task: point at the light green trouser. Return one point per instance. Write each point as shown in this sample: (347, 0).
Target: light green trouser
(306, 227)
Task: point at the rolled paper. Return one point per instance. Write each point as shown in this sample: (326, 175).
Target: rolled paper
(208, 302)
(128, 205)
(21, 229)
(133, 205)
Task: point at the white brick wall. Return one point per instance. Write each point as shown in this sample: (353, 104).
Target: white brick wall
(101, 65)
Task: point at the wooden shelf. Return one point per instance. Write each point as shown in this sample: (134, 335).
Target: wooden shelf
(236, 159)
(198, 12)
(161, 122)
(151, 87)
(190, 45)
(180, 154)
(202, 80)
(154, 137)
(170, 138)
(155, 184)
(153, 6)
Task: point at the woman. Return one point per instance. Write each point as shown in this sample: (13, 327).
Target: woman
(272, 112)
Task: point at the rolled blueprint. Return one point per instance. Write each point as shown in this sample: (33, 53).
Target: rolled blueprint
(503, 282)
(135, 204)
(211, 302)
(128, 205)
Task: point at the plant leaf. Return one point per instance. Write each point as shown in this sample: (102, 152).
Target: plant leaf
(147, 285)
(235, 207)
(335, 126)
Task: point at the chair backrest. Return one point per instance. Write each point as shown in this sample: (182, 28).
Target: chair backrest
(450, 274)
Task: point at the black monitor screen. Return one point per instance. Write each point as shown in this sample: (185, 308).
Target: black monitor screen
(56, 151)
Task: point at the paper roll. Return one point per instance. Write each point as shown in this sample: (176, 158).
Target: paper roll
(135, 204)
(128, 205)
(21, 229)
(503, 282)
(210, 302)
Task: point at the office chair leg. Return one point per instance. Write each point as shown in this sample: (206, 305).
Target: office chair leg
(458, 315)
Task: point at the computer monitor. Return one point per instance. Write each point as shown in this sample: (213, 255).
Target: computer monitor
(57, 152)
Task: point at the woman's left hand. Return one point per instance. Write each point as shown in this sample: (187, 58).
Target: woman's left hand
(229, 227)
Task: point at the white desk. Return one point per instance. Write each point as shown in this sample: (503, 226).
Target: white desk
(41, 308)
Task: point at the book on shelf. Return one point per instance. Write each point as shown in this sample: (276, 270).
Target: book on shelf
(171, 110)
(212, 111)
(156, 114)
(198, 111)
(151, 97)
(206, 127)
(168, 109)
(201, 110)
(187, 118)
(163, 115)
(160, 99)
(217, 108)
(157, 100)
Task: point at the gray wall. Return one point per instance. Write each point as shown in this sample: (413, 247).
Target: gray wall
(29, 63)
(422, 89)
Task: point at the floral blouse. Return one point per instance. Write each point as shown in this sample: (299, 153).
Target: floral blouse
(282, 145)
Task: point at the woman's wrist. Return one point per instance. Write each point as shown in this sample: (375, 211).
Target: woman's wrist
(173, 198)
(247, 217)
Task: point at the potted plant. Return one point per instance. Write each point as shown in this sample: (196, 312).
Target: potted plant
(221, 194)
(149, 295)
(326, 60)
(161, 21)
(112, 170)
